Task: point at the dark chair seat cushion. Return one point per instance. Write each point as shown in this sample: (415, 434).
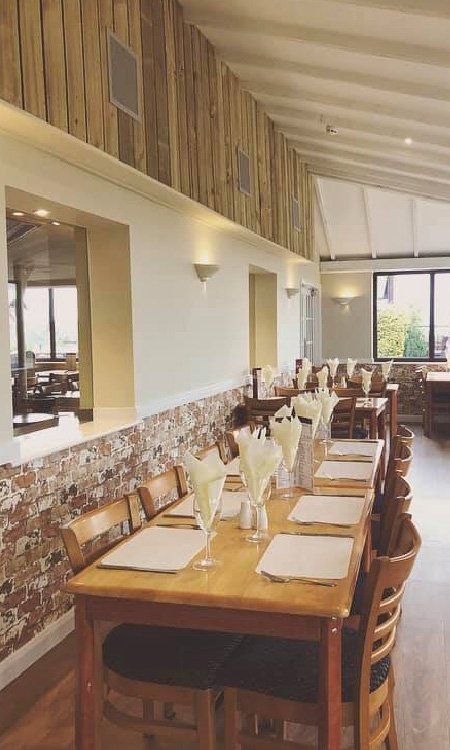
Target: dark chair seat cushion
(289, 669)
(168, 656)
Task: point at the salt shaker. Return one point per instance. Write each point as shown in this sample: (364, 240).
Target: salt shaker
(245, 516)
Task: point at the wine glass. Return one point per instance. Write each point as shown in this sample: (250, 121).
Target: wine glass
(258, 499)
(288, 465)
(366, 386)
(207, 512)
(326, 423)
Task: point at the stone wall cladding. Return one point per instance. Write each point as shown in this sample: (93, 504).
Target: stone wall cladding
(38, 497)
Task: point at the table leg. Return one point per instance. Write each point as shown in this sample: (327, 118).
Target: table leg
(330, 701)
(89, 687)
(373, 434)
(428, 417)
(393, 416)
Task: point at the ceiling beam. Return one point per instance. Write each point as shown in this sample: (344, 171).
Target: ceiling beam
(361, 123)
(294, 95)
(359, 43)
(434, 8)
(336, 74)
(326, 230)
(415, 236)
(368, 218)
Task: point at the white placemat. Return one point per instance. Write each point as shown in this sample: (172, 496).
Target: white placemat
(328, 509)
(231, 505)
(344, 470)
(233, 468)
(361, 448)
(157, 549)
(308, 556)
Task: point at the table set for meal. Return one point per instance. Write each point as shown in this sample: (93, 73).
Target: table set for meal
(293, 577)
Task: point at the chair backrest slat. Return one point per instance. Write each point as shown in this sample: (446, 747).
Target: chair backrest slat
(344, 416)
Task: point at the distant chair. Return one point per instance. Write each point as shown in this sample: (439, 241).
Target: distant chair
(162, 491)
(259, 410)
(286, 392)
(217, 447)
(343, 424)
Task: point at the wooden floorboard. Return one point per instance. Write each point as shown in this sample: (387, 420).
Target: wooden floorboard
(422, 657)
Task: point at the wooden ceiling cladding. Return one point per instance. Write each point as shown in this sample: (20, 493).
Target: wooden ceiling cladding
(194, 113)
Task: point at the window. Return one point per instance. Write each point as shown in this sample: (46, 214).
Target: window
(411, 315)
(51, 321)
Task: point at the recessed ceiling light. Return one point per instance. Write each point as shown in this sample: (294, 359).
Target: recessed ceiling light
(408, 141)
(42, 212)
(18, 213)
(56, 223)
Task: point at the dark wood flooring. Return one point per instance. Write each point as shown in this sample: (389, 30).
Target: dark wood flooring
(39, 712)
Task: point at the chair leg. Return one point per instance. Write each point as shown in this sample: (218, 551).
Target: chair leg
(205, 720)
(391, 739)
(231, 720)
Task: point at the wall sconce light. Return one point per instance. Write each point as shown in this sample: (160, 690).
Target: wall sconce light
(344, 302)
(292, 291)
(205, 271)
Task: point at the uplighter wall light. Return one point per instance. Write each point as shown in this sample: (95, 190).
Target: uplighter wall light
(292, 291)
(344, 302)
(205, 271)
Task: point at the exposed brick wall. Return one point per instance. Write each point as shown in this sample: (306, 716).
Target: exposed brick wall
(38, 497)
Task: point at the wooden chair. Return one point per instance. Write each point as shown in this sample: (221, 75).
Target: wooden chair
(162, 491)
(395, 506)
(279, 678)
(378, 385)
(309, 386)
(343, 424)
(96, 525)
(218, 446)
(158, 665)
(405, 435)
(259, 410)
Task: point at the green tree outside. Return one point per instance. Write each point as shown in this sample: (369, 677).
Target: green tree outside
(400, 334)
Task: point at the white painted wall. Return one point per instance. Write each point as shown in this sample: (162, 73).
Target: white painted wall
(347, 332)
(185, 338)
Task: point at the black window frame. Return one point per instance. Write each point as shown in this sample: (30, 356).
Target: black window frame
(54, 357)
(431, 337)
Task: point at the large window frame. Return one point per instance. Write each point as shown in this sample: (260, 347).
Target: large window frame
(432, 336)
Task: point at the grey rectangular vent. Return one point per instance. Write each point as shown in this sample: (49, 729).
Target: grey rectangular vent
(296, 214)
(123, 76)
(244, 172)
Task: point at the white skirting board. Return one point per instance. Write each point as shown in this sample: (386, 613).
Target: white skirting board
(17, 662)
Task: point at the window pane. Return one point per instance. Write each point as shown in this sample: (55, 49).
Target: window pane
(66, 320)
(36, 320)
(441, 314)
(403, 316)
(12, 307)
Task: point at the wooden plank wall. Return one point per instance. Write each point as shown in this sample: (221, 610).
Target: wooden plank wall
(194, 112)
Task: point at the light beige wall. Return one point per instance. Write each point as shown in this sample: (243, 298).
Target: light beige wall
(264, 317)
(347, 332)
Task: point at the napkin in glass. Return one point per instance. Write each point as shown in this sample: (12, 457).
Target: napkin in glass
(351, 364)
(284, 411)
(268, 374)
(208, 477)
(386, 368)
(333, 364)
(259, 461)
(307, 407)
(287, 435)
(322, 377)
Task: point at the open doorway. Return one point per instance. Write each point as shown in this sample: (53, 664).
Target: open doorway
(49, 316)
(263, 344)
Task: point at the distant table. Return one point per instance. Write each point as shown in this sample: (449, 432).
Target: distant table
(33, 421)
(437, 384)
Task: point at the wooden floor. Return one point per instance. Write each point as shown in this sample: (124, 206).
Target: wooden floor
(422, 655)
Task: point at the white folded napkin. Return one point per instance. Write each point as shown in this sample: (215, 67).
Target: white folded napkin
(287, 434)
(245, 439)
(328, 399)
(302, 378)
(386, 368)
(312, 556)
(333, 364)
(306, 407)
(328, 509)
(233, 468)
(268, 374)
(259, 461)
(351, 364)
(366, 380)
(207, 477)
(322, 377)
(284, 411)
(156, 549)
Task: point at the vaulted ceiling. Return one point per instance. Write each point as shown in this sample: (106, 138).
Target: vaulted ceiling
(378, 71)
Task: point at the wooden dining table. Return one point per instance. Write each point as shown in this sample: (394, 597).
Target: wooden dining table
(231, 598)
(436, 382)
